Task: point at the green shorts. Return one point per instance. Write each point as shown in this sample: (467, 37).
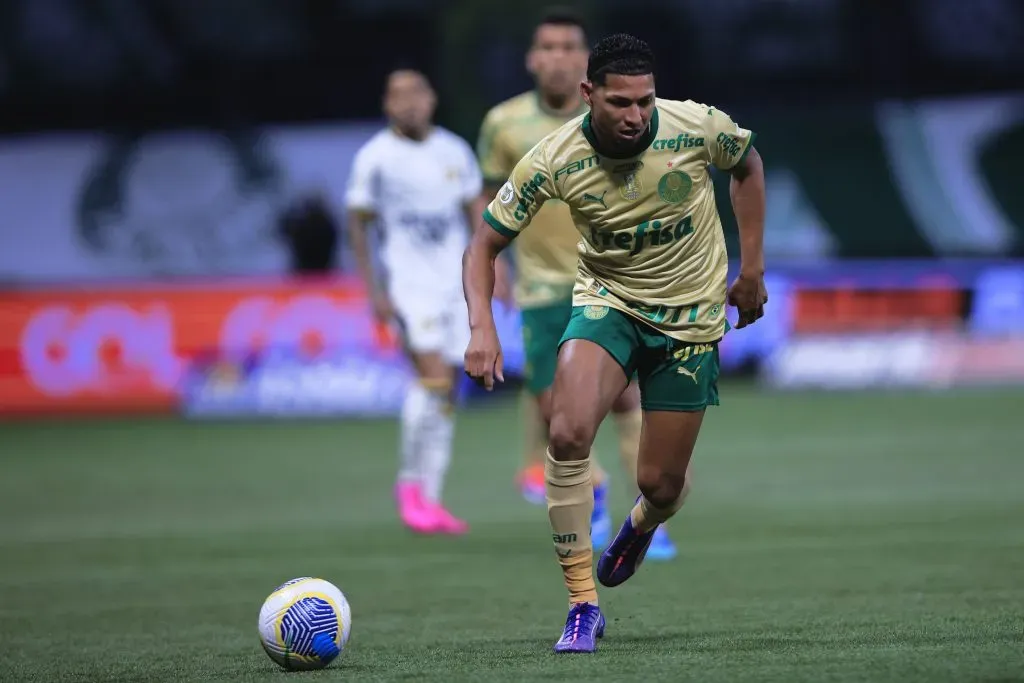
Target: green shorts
(674, 375)
(542, 329)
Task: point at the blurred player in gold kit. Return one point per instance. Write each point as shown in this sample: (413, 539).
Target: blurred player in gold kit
(546, 256)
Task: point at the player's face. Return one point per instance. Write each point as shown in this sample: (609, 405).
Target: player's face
(558, 58)
(409, 101)
(621, 109)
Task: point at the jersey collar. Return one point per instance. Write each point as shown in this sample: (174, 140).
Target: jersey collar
(405, 138)
(642, 144)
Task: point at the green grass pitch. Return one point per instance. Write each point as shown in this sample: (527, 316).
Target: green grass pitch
(830, 537)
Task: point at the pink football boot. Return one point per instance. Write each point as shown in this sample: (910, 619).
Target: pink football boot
(445, 522)
(414, 515)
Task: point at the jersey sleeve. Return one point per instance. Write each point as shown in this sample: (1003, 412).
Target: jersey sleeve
(728, 143)
(522, 195)
(494, 163)
(361, 189)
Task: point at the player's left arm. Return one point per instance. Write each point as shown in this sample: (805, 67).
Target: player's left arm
(732, 150)
(746, 190)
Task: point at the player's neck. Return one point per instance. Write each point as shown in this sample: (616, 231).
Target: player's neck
(601, 146)
(415, 135)
(560, 105)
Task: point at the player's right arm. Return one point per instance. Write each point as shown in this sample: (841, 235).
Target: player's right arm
(361, 201)
(508, 214)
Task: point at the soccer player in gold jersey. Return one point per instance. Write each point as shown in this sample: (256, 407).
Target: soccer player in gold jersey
(649, 297)
(546, 256)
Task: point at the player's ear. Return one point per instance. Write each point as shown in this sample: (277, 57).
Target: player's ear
(587, 92)
(531, 62)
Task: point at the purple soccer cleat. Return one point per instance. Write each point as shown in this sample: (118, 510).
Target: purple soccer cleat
(624, 555)
(583, 627)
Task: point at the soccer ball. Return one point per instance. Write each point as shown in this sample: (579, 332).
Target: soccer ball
(305, 624)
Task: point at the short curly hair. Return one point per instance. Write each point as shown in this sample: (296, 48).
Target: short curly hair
(620, 53)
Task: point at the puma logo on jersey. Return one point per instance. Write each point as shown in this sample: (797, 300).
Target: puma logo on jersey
(587, 197)
(648, 233)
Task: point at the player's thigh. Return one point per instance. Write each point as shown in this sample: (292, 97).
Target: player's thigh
(596, 357)
(542, 328)
(678, 382)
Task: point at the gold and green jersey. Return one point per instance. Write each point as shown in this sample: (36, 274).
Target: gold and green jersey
(652, 244)
(546, 256)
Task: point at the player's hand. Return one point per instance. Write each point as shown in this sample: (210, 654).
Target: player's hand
(383, 309)
(502, 282)
(483, 357)
(749, 295)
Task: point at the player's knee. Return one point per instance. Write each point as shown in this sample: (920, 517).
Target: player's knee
(662, 489)
(570, 438)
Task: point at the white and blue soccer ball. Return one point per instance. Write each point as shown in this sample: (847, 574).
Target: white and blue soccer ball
(305, 623)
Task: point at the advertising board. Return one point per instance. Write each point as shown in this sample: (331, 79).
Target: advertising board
(131, 348)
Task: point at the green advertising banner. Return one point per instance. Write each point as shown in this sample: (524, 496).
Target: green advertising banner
(900, 179)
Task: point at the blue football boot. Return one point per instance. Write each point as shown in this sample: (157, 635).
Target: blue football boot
(584, 625)
(625, 554)
(600, 519)
(662, 548)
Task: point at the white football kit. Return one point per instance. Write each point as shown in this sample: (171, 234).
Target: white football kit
(418, 190)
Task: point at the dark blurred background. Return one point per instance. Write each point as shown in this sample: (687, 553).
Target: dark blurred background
(164, 141)
(76, 65)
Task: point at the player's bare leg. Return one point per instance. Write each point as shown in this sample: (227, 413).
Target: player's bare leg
(628, 421)
(427, 430)
(666, 446)
(587, 382)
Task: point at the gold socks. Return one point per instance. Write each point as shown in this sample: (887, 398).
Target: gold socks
(570, 495)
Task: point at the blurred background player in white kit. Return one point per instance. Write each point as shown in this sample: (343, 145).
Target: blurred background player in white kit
(421, 185)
